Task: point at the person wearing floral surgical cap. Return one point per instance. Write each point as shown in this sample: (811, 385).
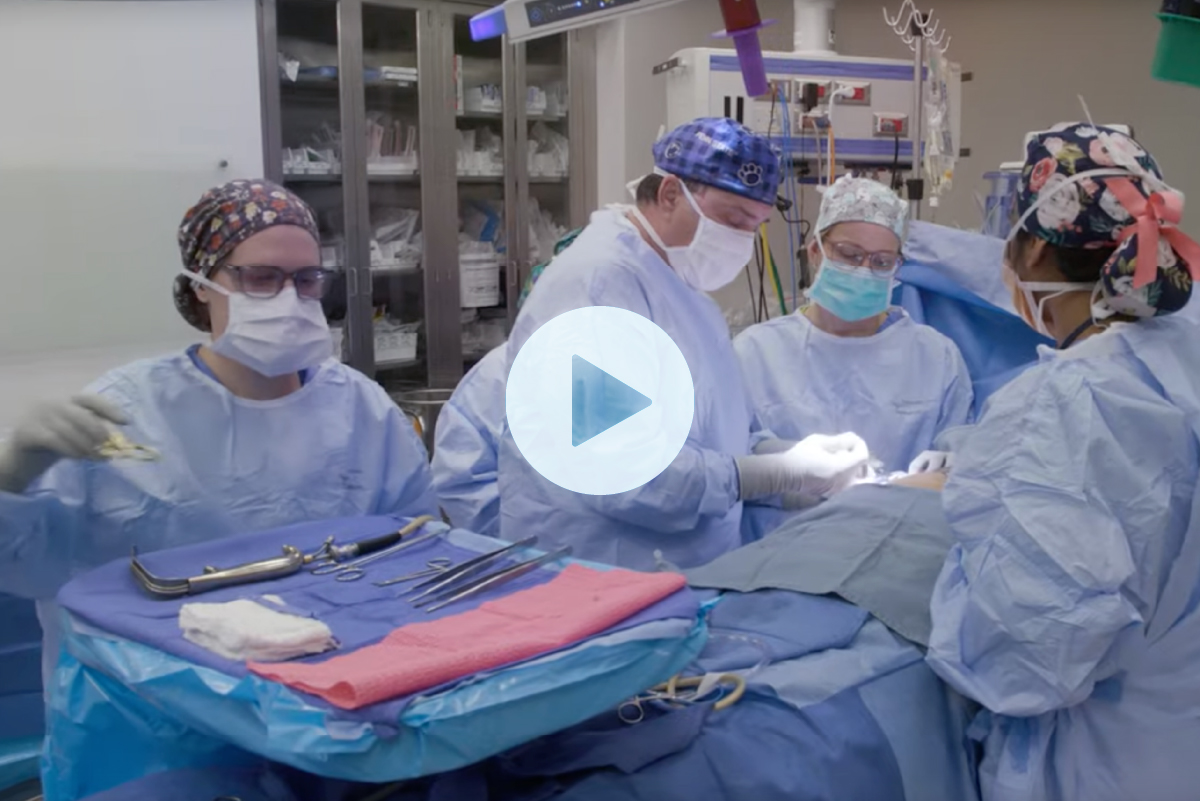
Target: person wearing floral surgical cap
(255, 429)
(849, 360)
(1067, 605)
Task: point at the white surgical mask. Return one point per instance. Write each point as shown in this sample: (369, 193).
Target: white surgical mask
(272, 336)
(715, 256)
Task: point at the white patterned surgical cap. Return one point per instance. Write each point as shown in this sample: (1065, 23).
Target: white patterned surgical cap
(852, 199)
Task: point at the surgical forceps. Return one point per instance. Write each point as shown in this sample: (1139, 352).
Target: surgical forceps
(353, 571)
(434, 567)
(485, 583)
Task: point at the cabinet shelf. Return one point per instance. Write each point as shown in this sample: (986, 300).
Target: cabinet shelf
(476, 116)
(336, 178)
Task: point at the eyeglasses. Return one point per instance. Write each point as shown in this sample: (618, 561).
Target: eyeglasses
(883, 261)
(267, 282)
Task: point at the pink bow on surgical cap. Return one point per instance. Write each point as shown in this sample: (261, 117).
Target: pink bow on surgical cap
(1158, 215)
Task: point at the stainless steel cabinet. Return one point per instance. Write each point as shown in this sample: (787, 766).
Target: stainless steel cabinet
(441, 169)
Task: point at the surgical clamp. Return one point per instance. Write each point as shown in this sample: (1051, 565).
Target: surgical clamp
(353, 571)
(329, 557)
(471, 567)
(434, 567)
(485, 583)
(118, 446)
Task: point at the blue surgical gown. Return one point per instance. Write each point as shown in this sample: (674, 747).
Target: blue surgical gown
(897, 389)
(337, 447)
(690, 512)
(1068, 606)
(466, 447)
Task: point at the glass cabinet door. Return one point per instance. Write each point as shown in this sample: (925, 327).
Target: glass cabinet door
(392, 256)
(484, 179)
(309, 160)
(548, 156)
(541, 204)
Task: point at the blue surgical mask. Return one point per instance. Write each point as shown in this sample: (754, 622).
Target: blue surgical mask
(851, 293)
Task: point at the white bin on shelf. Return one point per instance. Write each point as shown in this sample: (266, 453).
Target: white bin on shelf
(479, 279)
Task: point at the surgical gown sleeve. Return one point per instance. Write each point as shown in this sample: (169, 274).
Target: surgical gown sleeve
(407, 486)
(465, 452)
(41, 531)
(1066, 468)
(700, 482)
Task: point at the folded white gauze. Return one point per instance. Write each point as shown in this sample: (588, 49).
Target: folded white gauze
(247, 631)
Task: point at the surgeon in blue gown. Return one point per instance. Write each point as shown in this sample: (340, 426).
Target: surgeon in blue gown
(466, 444)
(1068, 605)
(691, 232)
(257, 429)
(848, 360)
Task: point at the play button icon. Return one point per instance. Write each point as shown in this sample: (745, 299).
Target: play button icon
(599, 400)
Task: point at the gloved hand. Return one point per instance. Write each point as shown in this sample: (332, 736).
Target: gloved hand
(74, 429)
(932, 461)
(814, 468)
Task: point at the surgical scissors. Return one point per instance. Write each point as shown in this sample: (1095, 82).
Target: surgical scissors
(353, 571)
(434, 567)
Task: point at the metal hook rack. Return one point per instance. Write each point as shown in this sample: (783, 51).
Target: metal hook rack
(914, 26)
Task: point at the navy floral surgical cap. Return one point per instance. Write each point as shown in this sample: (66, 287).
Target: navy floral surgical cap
(1091, 187)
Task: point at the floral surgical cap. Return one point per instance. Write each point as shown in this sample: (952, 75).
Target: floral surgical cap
(222, 219)
(852, 199)
(1091, 187)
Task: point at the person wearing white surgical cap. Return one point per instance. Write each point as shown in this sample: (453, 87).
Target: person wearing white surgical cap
(1067, 606)
(849, 361)
(258, 428)
(691, 231)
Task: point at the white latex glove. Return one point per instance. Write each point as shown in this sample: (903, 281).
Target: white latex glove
(931, 462)
(73, 429)
(814, 468)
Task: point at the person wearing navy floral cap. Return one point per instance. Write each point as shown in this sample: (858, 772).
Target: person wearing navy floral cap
(1067, 606)
(255, 429)
(691, 231)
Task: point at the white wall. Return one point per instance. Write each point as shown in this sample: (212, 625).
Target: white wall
(116, 116)
(1030, 59)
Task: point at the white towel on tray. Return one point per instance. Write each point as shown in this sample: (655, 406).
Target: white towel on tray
(245, 630)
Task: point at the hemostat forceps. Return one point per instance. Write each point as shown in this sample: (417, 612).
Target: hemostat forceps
(118, 446)
(434, 567)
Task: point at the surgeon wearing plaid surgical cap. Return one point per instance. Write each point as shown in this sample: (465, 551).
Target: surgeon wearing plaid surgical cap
(848, 360)
(1067, 606)
(690, 231)
(255, 429)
